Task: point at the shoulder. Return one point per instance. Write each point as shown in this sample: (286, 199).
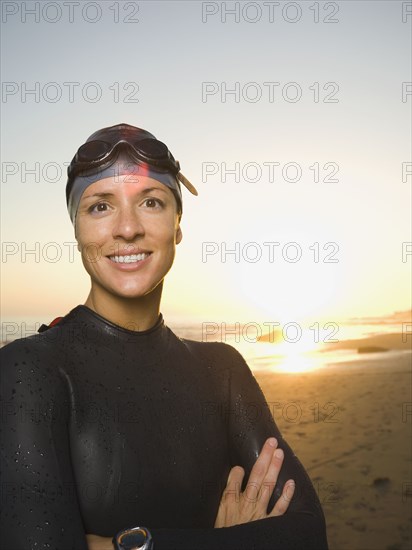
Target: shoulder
(33, 388)
(32, 364)
(48, 343)
(217, 352)
(30, 348)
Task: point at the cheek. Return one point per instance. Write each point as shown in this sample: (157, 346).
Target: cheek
(91, 256)
(167, 238)
(163, 231)
(89, 242)
(87, 233)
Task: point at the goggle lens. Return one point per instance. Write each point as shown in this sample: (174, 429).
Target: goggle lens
(93, 151)
(152, 149)
(148, 149)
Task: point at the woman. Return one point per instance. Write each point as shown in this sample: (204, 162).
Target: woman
(115, 428)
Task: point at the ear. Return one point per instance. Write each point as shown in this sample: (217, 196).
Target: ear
(179, 234)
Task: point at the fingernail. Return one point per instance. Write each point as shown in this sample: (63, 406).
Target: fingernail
(272, 441)
(278, 453)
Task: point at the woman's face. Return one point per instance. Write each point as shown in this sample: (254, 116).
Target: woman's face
(127, 229)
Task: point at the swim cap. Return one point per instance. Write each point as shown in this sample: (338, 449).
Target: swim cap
(119, 150)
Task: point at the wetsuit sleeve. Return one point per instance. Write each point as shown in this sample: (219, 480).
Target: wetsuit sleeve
(250, 423)
(39, 501)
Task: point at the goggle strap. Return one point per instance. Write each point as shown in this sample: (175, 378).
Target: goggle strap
(187, 183)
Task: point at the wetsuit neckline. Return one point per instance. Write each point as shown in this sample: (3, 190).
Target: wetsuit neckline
(92, 313)
(94, 321)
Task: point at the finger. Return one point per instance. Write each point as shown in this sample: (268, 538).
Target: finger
(282, 504)
(262, 463)
(230, 498)
(234, 483)
(92, 542)
(271, 477)
(274, 466)
(260, 469)
(220, 517)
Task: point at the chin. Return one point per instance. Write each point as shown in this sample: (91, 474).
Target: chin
(130, 286)
(130, 295)
(132, 292)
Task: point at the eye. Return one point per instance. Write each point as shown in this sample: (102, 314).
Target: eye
(153, 203)
(98, 207)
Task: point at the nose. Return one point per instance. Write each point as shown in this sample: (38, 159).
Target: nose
(128, 225)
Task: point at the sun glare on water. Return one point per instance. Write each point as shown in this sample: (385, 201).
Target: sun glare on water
(298, 357)
(293, 355)
(298, 362)
(286, 356)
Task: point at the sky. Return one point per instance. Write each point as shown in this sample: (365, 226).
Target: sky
(292, 119)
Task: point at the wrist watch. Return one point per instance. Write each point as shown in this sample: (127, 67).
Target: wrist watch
(134, 538)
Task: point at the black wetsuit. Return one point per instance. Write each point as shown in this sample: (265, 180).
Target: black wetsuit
(105, 428)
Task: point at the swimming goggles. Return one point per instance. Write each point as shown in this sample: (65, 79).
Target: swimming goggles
(100, 154)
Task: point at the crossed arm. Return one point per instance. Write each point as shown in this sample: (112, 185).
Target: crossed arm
(237, 506)
(269, 502)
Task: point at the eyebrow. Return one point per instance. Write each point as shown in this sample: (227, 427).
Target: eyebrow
(107, 195)
(100, 195)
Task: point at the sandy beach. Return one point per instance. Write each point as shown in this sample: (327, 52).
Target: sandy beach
(351, 428)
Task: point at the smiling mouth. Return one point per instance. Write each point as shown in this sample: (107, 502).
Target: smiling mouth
(130, 258)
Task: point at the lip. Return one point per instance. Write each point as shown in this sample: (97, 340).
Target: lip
(129, 266)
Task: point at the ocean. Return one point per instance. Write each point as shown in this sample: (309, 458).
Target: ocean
(291, 347)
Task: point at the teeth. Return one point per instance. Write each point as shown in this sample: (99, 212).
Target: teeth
(129, 259)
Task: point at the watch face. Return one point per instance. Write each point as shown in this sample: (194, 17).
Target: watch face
(134, 539)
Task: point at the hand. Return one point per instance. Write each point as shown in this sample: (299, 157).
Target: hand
(236, 507)
(94, 542)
